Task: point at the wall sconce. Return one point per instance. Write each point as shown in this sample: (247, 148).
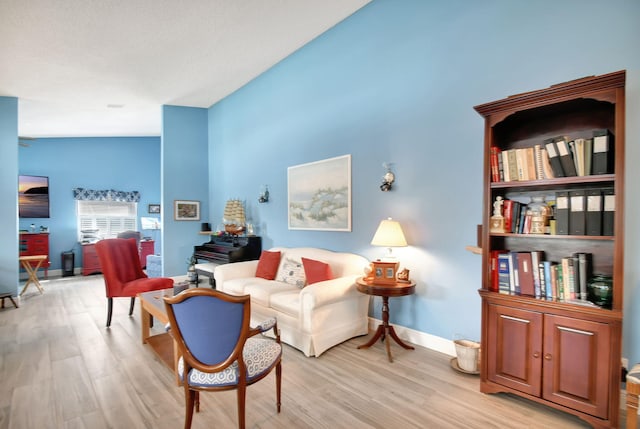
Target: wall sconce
(387, 179)
(264, 194)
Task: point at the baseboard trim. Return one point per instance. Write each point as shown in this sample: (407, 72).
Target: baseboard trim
(419, 338)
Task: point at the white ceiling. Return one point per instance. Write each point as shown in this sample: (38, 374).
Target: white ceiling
(68, 60)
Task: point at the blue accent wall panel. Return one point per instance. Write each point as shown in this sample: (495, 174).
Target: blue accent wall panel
(396, 83)
(120, 163)
(184, 177)
(9, 195)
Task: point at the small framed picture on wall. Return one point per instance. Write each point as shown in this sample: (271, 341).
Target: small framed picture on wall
(186, 210)
(154, 208)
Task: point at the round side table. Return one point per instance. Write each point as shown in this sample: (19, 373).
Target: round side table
(385, 329)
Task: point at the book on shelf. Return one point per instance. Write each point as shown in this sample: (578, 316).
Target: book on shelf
(531, 163)
(504, 275)
(559, 282)
(568, 279)
(525, 274)
(584, 273)
(507, 214)
(513, 273)
(546, 165)
(588, 156)
(493, 256)
(504, 156)
(577, 148)
(543, 280)
(601, 161)
(562, 213)
(495, 166)
(564, 153)
(553, 275)
(521, 162)
(577, 216)
(554, 159)
(536, 258)
(594, 212)
(512, 163)
(608, 211)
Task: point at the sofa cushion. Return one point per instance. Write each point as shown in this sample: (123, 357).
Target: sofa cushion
(238, 286)
(262, 291)
(287, 302)
(316, 271)
(268, 265)
(292, 272)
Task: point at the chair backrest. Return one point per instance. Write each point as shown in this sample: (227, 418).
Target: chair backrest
(210, 326)
(119, 262)
(131, 234)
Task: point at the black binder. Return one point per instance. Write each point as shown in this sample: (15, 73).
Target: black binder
(608, 211)
(554, 159)
(562, 213)
(594, 212)
(601, 160)
(577, 217)
(566, 159)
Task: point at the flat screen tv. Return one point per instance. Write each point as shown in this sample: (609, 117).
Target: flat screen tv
(33, 196)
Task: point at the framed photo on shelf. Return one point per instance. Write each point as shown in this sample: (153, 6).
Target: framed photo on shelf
(154, 208)
(384, 273)
(186, 210)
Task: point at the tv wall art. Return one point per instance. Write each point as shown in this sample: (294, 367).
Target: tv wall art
(33, 196)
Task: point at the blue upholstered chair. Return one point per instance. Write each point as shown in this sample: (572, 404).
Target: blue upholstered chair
(219, 350)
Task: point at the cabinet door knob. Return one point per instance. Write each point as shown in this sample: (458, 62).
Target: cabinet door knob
(536, 355)
(547, 356)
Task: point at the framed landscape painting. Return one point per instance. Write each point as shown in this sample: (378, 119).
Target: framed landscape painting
(33, 196)
(186, 210)
(320, 195)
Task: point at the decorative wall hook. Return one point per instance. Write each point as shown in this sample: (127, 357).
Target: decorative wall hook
(388, 178)
(264, 194)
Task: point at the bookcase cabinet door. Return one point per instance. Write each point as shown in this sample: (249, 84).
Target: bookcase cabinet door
(576, 363)
(514, 348)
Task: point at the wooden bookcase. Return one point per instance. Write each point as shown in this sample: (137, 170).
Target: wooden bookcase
(562, 354)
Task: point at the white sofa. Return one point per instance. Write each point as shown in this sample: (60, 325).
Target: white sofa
(311, 319)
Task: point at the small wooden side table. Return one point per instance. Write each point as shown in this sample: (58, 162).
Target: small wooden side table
(32, 270)
(385, 329)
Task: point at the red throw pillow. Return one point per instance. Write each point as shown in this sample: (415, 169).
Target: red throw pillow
(268, 265)
(316, 271)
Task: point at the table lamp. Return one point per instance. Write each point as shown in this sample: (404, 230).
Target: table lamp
(389, 234)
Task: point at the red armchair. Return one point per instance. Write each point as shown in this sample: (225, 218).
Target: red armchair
(123, 275)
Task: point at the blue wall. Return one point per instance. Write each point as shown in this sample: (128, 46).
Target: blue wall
(9, 195)
(122, 163)
(397, 82)
(184, 177)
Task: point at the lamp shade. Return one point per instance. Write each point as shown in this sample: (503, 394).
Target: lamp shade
(389, 234)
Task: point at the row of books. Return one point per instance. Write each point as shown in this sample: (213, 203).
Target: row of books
(527, 273)
(576, 212)
(555, 157)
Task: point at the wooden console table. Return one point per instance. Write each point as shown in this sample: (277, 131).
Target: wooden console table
(386, 330)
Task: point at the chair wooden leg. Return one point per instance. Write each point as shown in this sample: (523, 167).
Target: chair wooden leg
(278, 383)
(133, 301)
(242, 394)
(109, 311)
(633, 390)
(197, 399)
(189, 400)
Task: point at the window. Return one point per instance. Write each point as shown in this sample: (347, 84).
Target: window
(105, 219)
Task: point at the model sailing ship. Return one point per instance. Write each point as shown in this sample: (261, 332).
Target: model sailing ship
(234, 218)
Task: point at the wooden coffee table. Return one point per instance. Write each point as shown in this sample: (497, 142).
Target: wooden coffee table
(151, 303)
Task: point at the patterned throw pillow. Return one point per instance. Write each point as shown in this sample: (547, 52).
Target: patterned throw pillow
(292, 272)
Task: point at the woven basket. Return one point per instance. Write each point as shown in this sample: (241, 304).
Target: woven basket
(468, 353)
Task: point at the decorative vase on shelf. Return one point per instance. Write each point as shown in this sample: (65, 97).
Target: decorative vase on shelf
(540, 214)
(600, 290)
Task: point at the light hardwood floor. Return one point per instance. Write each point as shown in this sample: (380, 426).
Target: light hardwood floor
(61, 368)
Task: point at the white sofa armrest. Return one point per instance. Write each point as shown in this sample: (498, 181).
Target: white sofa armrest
(323, 293)
(235, 270)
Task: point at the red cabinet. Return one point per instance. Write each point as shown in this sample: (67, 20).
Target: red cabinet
(32, 243)
(90, 261)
